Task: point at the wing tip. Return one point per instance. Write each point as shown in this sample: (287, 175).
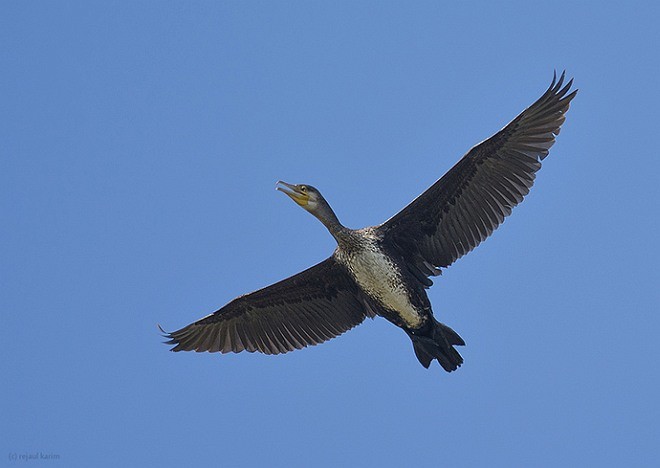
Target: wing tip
(171, 339)
(558, 89)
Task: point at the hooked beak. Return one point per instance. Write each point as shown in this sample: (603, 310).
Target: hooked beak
(293, 192)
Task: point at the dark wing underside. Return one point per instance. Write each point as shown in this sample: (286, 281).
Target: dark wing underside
(470, 201)
(306, 309)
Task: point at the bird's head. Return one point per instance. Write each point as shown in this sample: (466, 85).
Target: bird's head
(311, 200)
(304, 195)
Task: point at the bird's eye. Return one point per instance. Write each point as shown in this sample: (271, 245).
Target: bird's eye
(303, 188)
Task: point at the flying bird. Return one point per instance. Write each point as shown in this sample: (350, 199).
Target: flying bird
(385, 270)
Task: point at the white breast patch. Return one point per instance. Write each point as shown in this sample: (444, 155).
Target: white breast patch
(380, 278)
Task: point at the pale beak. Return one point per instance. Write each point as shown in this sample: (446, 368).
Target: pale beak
(293, 192)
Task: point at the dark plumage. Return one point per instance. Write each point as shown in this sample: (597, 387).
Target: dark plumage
(384, 270)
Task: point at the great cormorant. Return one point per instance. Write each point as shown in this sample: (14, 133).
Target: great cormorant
(384, 270)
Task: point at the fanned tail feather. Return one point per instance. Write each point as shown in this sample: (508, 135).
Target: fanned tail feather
(438, 344)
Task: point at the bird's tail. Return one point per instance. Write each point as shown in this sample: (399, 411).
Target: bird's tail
(438, 343)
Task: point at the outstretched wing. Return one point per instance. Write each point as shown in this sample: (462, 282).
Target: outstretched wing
(306, 309)
(470, 201)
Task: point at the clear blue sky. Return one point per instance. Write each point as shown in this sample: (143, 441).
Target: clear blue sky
(139, 147)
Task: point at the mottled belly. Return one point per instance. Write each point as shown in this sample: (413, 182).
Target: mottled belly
(381, 280)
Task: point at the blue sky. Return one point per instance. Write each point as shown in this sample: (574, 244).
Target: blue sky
(139, 149)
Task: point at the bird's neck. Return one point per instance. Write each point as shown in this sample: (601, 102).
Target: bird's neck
(341, 233)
